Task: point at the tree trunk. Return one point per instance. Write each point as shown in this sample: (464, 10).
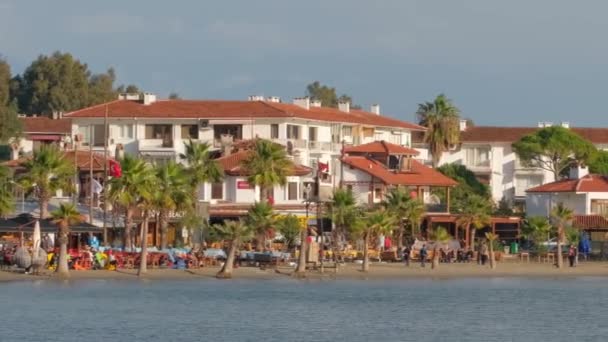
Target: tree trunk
(226, 271)
(400, 235)
(365, 267)
(143, 258)
(127, 232)
(263, 194)
(435, 262)
(472, 242)
(44, 208)
(558, 253)
(301, 270)
(62, 261)
(164, 229)
(492, 259)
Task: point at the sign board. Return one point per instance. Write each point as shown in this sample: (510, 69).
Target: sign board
(243, 185)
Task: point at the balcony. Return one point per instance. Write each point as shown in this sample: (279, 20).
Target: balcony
(436, 208)
(156, 144)
(294, 143)
(324, 146)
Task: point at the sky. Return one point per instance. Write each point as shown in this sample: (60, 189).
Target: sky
(505, 63)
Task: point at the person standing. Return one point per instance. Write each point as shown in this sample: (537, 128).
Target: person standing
(406, 255)
(484, 253)
(423, 254)
(572, 255)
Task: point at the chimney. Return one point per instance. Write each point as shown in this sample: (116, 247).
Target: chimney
(316, 103)
(303, 102)
(148, 98)
(226, 141)
(375, 108)
(462, 125)
(565, 124)
(578, 171)
(275, 99)
(256, 98)
(344, 106)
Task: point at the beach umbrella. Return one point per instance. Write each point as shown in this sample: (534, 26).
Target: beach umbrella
(22, 258)
(36, 237)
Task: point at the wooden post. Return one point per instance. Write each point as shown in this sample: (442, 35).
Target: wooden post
(493, 227)
(448, 199)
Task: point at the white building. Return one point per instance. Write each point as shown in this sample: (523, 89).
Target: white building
(157, 129)
(487, 152)
(39, 131)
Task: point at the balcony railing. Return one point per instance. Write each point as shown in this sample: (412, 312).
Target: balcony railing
(156, 143)
(295, 143)
(436, 208)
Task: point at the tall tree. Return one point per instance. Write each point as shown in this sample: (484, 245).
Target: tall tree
(46, 172)
(467, 184)
(375, 222)
(101, 87)
(267, 165)
(396, 202)
(599, 163)
(235, 232)
(553, 149)
(475, 215)
(5, 83)
(537, 229)
(562, 217)
(129, 189)
(129, 89)
(171, 194)
(441, 119)
(10, 125)
(201, 167)
(289, 227)
(261, 219)
(327, 95)
(174, 96)
(64, 216)
(342, 208)
(492, 237)
(7, 201)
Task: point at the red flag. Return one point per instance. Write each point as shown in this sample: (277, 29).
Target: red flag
(323, 167)
(115, 169)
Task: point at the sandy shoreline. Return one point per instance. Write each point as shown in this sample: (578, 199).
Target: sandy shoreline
(346, 272)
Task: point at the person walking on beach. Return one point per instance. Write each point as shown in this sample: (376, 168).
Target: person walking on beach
(484, 253)
(406, 255)
(572, 255)
(423, 254)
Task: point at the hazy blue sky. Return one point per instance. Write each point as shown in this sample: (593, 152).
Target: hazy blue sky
(510, 62)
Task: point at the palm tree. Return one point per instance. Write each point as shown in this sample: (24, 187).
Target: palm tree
(561, 216)
(261, 219)
(7, 202)
(64, 216)
(148, 201)
(536, 229)
(290, 227)
(202, 168)
(268, 165)
(440, 236)
(129, 189)
(441, 119)
(475, 215)
(414, 212)
(45, 173)
(236, 232)
(342, 207)
(491, 238)
(396, 202)
(172, 194)
(376, 222)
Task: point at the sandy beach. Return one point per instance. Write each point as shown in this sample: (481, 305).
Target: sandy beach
(378, 271)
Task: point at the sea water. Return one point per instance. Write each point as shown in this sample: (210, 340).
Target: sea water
(498, 309)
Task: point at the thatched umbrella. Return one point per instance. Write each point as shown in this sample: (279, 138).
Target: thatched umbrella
(38, 254)
(22, 258)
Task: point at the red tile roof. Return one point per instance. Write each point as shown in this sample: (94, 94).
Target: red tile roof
(419, 174)
(485, 134)
(381, 147)
(232, 165)
(46, 125)
(590, 222)
(208, 109)
(588, 183)
(82, 157)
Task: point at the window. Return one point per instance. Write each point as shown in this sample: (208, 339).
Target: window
(378, 137)
(98, 135)
(189, 132)
(478, 156)
(312, 133)
(523, 183)
(217, 191)
(368, 132)
(395, 139)
(378, 193)
(292, 191)
(124, 131)
(310, 188)
(347, 131)
(85, 133)
(274, 131)
(158, 132)
(599, 207)
(235, 130)
(293, 132)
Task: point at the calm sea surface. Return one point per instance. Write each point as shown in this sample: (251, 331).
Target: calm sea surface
(289, 310)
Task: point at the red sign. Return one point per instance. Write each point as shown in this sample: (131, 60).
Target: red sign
(243, 185)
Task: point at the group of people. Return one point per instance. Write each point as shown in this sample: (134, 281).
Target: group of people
(447, 255)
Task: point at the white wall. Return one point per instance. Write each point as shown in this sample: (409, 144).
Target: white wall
(540, 204)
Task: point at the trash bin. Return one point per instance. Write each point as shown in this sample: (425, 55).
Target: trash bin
(514, 247)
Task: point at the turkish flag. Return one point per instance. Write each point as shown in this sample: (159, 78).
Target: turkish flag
(323, 167)
(115, 169)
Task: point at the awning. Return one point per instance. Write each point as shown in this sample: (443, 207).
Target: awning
(25, 223)
(44, 137)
